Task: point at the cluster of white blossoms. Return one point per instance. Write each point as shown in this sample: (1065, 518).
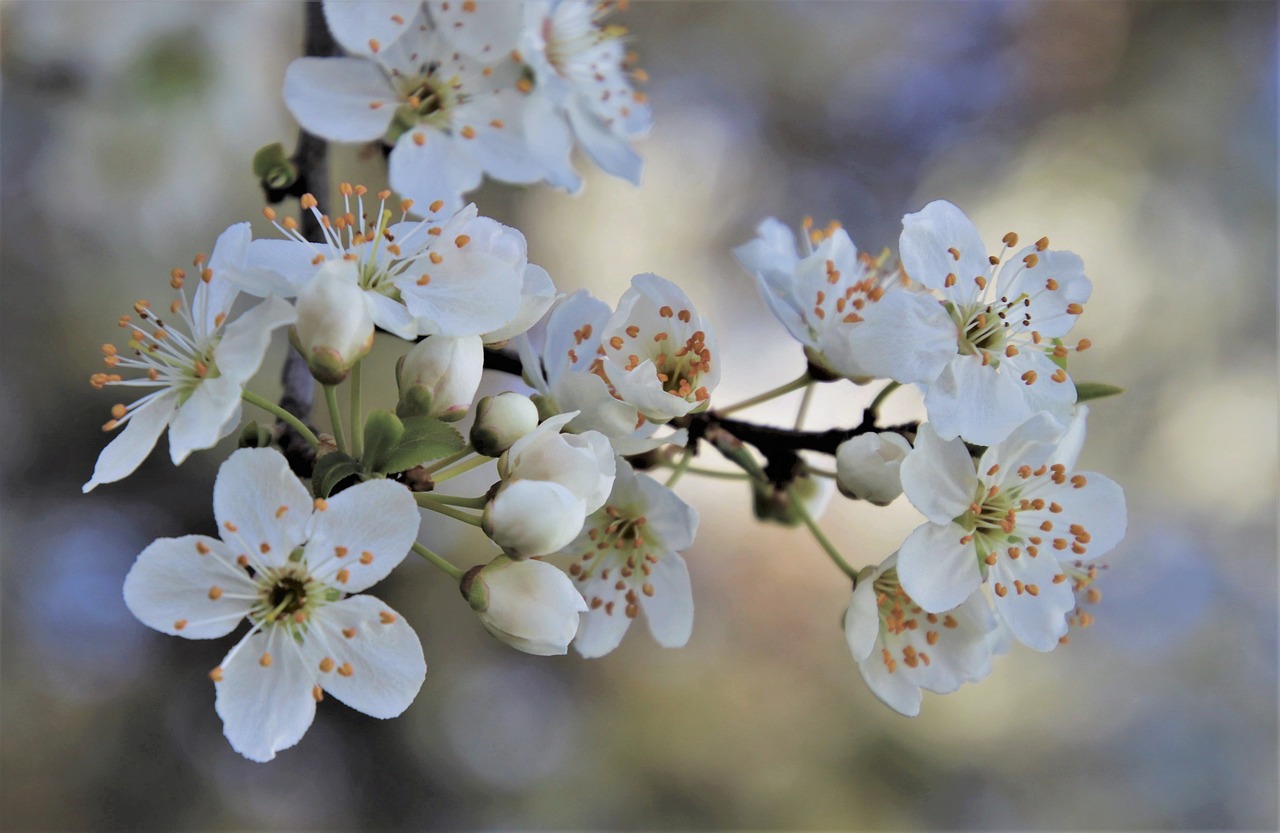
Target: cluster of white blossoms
(458, 90)
(579, 537)
(1009, 521)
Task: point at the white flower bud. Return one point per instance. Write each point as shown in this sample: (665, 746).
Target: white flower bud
(530, 605)
(501, 420)
(867, 467)
(533, 517)
(442, 374)
(334, 328)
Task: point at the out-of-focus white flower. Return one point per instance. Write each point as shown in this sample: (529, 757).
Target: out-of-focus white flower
(550, 483)
(501, 420)
(334, 329)
(449, 274)
(628, 560)
(581, 73)
(855, 316)
(659, 354)
(367, 26)
(444, 372)
(1006, 313)
(900, 648)
(530, 605)
(196, 362)
(537, 294)
(867, 466)
(286, 564)
(449, 116)
(1010, 519)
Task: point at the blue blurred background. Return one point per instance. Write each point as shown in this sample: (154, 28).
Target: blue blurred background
(1140, 135)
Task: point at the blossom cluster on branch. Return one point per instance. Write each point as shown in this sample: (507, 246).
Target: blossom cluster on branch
(583, 537)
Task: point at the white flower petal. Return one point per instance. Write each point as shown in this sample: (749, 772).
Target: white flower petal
(340, 99)
(980, 403)
(283, 267)
(938, 476)
(599, 632)
(927, 237)
(905, 336)
(670, 519)
(611, 152)
(209, 414)
(862, 619)
(258, 501)
(365, 530)
(189, 587)
(537, 294)
(535, 517)
(384, 656)
(433, 170)
(895, 689)
(265, 704)
(1048, 307)
(239, 353)
(392, 316)
(1098, 506)
(935, 569)
(1036, 621)
(669, 610)
(357, 23)
(532, 606)
(127, 451)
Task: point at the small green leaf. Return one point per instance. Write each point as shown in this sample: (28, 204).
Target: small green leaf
(1096, 390)
(332, 469)
(272, 167)
(425, 439)
(383, 431)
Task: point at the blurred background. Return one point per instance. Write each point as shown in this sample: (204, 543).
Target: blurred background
(1140, 135)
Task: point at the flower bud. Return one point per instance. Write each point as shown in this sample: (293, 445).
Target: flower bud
(334, 328)
(530, 605)
(501, 420)
(439, 377)
(775, 505)
(867, 467)
(533, 517)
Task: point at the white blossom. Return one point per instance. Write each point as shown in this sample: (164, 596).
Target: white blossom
(1011, 519)
(1006, 313)
(867, 466)
(444, 370)
(528, 604)
(334, 327)
(196, 363)
(448, 274)
(287, 564)
(581, 75)
(367, 26)
(627, 560)
(857, 317)
(550, 483)
(449, 116)
(900, 648)
(501, 420)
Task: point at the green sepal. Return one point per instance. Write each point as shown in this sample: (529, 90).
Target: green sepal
(332, 469)
(1096, 390)
(415, 401)
(254, 435)
(272, 167)
(424, 439)
(383, 431)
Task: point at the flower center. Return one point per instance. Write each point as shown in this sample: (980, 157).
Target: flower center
(906, 630)
(622, 547)
(426, 99)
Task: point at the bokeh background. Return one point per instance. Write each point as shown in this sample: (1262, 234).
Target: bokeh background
(1140, 135)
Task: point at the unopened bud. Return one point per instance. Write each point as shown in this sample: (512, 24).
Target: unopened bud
(775, 504)
(867, 467)
(334, 328)
(439, 377)
(530, 605)
(501, 420)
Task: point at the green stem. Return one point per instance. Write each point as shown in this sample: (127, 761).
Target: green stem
(680, 468)
(820, 536)
(282, 415)
(820, 472)
(454, 573)
(357, 428)
(461, 468)
(459, 500)
(701, 472)
(444, 462)
(781, 390)
(804, 406)
(335, 416)
(427, 501)
(874, 407)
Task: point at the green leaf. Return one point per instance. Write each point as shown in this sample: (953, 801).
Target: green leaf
(1096, 390)
(383, 431)
(332, 469)
(425, 439)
